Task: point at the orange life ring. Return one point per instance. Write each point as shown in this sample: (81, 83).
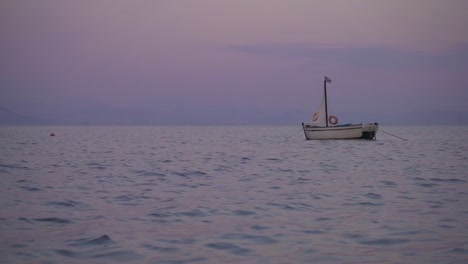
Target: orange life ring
(316, 116)
(333, 120)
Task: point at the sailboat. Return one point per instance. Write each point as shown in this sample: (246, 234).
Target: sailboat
(324, 126)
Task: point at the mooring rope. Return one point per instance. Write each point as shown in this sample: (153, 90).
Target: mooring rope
(393, 135)
(294, 133)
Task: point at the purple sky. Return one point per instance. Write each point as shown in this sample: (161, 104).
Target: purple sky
(231, 61)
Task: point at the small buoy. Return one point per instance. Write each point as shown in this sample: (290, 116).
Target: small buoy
(52, 134)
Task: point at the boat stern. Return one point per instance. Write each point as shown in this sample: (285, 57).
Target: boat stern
(369, 131)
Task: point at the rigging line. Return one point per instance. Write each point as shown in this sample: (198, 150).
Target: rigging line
(295, 133)
(393, 135)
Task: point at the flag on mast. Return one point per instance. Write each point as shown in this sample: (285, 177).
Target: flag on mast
(328, 80)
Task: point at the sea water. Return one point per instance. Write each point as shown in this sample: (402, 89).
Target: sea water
(232, 194)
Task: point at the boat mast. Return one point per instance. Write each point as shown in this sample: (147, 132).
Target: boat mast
(325, 93)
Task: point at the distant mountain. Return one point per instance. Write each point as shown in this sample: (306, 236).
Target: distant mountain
(9, 117)
(110, 116)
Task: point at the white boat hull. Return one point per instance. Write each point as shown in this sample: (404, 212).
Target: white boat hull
(352, 131)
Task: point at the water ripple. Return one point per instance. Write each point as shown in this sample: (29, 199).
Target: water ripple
(160, 249)
(232, 248)
(373, 196)
(54, 220)
(263, 240)
(231, 194)
(84, 242)
(242, 212)
(384, 242)
(66, 203)
(446, 180)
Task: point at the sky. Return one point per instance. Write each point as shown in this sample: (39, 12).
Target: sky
(223, 61)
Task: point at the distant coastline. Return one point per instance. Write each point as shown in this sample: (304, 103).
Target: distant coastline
(429, 117)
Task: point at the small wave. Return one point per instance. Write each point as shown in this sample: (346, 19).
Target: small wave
(160, 249)
(384, 242)
(242, 212)
(197, 173)
(303, 180)
(96, 165)
(389, 183)
(419, 179)
(102, 240)
(67, 253)
(189, 173)
(232, 248)
(353, 236)
(18, 246)
(125, 198)
(282, 206)
(24, 219)
(159, 215)
(183, 261)
(152, 174)
(31, 189)
(102, 247)
(427, 185)
(194, 213)
(66, 203)
(446, 226)
(187, 241)
(446, 180)
(369, 204)
(223, 168)
(259, 227)
(54, 220)
(314, 232)
(119, 255)
(406, 197)
(181, 174)
(447, 220)
(460, 250)
(373, 196)
(411, 233)
(259, 240)
(163, 218)
(14, 166)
